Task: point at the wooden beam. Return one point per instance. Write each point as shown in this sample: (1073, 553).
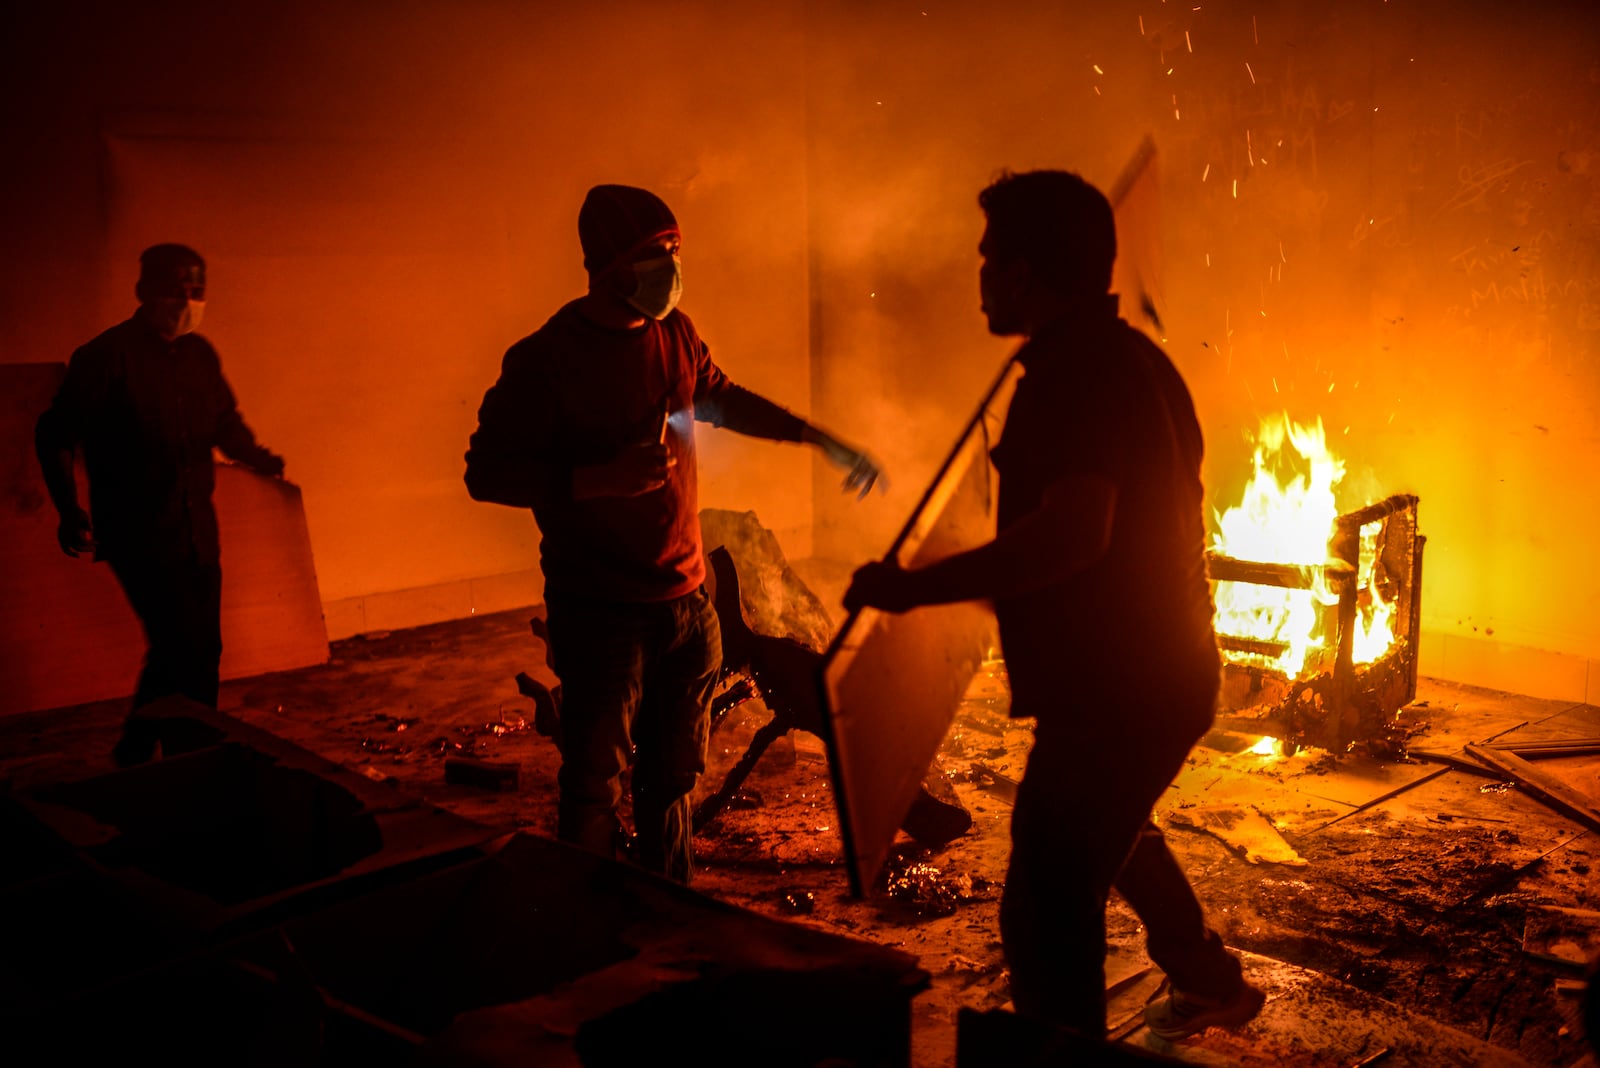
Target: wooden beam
(1547, 788)
(1221, 568)
(1233, 643)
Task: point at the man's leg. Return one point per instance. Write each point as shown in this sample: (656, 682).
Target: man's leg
(1207, 982)
(600, 649)
(671, 734)
(178, 601)
(1180, 943)
(1078, 810)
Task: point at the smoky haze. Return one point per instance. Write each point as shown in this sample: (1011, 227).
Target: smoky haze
(1385, 215)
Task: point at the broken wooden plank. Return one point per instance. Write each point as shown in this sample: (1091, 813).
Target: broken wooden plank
(1221, 568)
(1233, 643)
(1450, 760)
(1547, 788)
(1554, 747)
(1562, 935)
(1374, 512)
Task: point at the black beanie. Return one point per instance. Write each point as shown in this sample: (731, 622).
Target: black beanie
(615, 218)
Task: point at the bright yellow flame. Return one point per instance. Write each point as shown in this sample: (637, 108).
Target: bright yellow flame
(1265, 747)
(1286, 516)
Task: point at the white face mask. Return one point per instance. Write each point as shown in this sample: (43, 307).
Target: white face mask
(189, 318)
(658, 285)
(173, 319)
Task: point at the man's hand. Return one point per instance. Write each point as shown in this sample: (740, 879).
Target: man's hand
(883, 585)
(861, 471)
(637, 470)
(74, 534)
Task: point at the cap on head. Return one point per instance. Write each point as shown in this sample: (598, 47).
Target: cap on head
(163, 263)
(616, 220)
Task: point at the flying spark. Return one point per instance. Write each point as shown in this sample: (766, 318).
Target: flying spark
(1250, 72)
(1205, 172)
(1187, 41)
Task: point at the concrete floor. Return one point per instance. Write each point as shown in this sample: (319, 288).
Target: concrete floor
(1383, 906)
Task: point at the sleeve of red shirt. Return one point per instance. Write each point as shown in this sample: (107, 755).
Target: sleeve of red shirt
(510, 457)
(718, 401)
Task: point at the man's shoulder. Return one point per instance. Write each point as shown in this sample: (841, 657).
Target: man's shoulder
(109, 340)
(559, 334)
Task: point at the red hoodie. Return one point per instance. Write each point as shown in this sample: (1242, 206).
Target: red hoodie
(574, 393)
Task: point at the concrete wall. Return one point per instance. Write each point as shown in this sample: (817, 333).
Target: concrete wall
(387, 195)
(1383, 215)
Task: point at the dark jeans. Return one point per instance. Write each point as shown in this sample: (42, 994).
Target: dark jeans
(1081, 825)
(178, 600)
(636, 683)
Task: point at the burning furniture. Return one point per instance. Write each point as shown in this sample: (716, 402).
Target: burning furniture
(1340, 682)
(1318, 613)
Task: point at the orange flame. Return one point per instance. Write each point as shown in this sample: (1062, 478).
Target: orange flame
(1287, 516)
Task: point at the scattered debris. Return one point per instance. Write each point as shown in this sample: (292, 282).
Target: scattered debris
(444, 746)
(490, 775)
(924, 889)
(1547, 788)
(799, 902)
(991, 781)
(1247, 832)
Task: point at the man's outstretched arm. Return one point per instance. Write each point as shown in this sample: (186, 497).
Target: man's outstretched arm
(744, 412)
(1068, 531)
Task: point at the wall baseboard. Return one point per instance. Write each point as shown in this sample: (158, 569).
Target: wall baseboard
(398, 609)
(1469, 660)
(1519, 669)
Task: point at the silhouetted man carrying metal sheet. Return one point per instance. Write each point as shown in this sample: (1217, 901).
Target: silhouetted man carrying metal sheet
(147, 402)
(1097, 574)
(591, 425)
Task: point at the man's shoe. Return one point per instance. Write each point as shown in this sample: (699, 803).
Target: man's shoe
(1179, 1015)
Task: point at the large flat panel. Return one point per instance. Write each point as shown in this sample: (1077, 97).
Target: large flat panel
(67, 634)
(890, 683)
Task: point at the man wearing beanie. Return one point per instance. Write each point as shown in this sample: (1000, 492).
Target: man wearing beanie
(591, 425)
(147, 403)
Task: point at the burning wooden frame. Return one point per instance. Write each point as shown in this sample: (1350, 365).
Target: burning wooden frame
(1335, 701)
